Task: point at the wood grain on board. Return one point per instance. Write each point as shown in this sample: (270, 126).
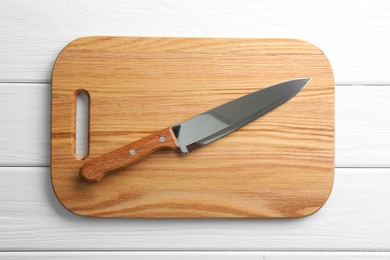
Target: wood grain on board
(280, 165)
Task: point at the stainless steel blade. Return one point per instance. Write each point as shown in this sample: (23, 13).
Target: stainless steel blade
(222, 120)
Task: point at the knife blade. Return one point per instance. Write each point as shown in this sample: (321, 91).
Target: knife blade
(197, 131)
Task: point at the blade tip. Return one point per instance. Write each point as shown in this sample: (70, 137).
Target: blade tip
(304, 81)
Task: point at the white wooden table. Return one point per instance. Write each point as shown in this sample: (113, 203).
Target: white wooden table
(355, 222)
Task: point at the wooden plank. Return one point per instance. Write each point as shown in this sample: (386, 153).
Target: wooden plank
(25, 124)
(192, 255)
(353, 34)
(281, 165)
(355, 218)
(362, 125)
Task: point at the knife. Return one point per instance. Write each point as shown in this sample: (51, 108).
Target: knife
(196, 131)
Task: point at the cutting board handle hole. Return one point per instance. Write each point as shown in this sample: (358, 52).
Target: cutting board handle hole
(81, 133)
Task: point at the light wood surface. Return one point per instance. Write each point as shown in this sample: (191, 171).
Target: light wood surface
(362, 132)
(279, 166)
(197, 255)
(343, 224)
(353, 34)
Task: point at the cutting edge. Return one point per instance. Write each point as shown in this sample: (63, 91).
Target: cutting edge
(226, 118)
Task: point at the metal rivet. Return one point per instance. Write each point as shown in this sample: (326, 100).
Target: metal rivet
(162, 139)
(132, 152)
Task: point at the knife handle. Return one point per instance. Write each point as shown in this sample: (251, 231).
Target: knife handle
(95, 169)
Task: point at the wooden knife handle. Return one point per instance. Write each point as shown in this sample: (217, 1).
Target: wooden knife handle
(95, 169)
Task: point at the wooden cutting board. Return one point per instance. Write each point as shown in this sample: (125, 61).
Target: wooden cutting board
(280, 165)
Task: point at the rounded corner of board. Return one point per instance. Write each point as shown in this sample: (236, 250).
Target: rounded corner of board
(314, 46)
(61, 202)
(314, 210)
(75, 42)
(305, 42)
